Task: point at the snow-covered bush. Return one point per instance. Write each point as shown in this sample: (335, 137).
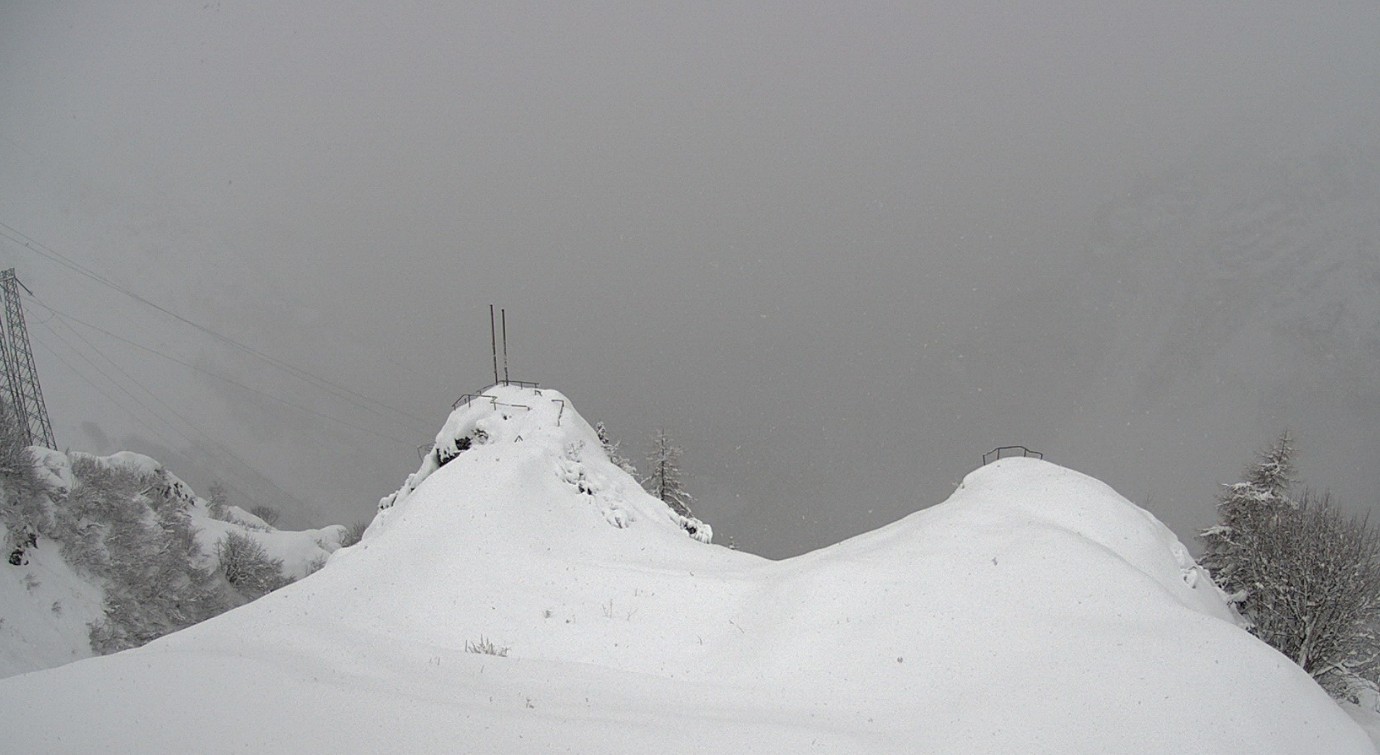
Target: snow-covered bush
(247, 566)
(117, 526)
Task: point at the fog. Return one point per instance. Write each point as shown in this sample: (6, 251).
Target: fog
(837, 251)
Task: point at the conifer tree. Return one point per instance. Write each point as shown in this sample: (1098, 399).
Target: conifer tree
(611, 449)
(663, 478)
(1243, 510)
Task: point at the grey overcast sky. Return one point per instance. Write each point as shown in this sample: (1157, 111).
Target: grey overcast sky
(838, 250)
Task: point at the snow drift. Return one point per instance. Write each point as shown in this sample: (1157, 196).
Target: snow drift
(1034, 611)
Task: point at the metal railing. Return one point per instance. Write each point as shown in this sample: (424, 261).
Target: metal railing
(1002, 452)
(482, 395)
(468, 397)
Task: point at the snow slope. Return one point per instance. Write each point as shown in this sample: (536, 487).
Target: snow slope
(298, 549)
(46, 606)
(1034, 611)
(45, 609)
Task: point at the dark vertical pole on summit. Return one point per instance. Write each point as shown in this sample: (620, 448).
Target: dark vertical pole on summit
(493, 342)
(503, 314)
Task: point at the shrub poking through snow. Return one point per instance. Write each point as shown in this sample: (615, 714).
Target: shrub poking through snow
(486, 646)
(355, 532)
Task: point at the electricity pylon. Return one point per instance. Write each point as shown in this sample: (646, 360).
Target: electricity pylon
(21, 389)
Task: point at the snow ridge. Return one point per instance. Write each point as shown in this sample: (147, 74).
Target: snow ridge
(1033, 611)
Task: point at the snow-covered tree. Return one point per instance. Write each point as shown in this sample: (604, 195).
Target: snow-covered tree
(663, 478)
(1313, 592)
(611, 449)
(1304, 576)
(1243, 509)
(130, 528)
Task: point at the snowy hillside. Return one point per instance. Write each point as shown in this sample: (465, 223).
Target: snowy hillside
(48, 603)
(1034, 611)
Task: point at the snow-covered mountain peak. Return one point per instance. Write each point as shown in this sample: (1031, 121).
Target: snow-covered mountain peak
(531, 441)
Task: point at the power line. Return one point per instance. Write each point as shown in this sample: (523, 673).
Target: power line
(205, 438)
(117, 384)
(47, 252)
(96, 386)
(231, 381)
(138, 419)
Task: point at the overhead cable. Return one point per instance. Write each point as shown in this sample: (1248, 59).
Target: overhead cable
(39, 248)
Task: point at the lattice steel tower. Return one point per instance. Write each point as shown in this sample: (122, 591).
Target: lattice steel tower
(21, 389)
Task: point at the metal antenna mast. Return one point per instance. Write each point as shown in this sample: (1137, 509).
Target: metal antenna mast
(22, 390)
(493, 342)
(503, 313)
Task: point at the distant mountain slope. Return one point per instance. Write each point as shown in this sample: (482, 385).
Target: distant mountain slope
(1214, 305)
(88, 534)
(1266, 262)
(1034, 611)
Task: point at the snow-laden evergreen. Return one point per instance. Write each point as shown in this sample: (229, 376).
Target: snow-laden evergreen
(528, 596)
(1242, 509)
(613, 449)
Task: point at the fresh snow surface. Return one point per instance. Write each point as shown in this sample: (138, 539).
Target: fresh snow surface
(45, 609)
(1034, 611)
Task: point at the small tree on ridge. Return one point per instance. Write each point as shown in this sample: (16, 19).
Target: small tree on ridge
(611, 449)
(663, 478)
(1244, 509)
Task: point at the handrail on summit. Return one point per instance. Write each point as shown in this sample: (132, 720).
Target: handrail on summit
(468, 397)
(1000, 452)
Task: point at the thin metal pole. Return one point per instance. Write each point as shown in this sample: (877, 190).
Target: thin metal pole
(493, 342)
(504, 314)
